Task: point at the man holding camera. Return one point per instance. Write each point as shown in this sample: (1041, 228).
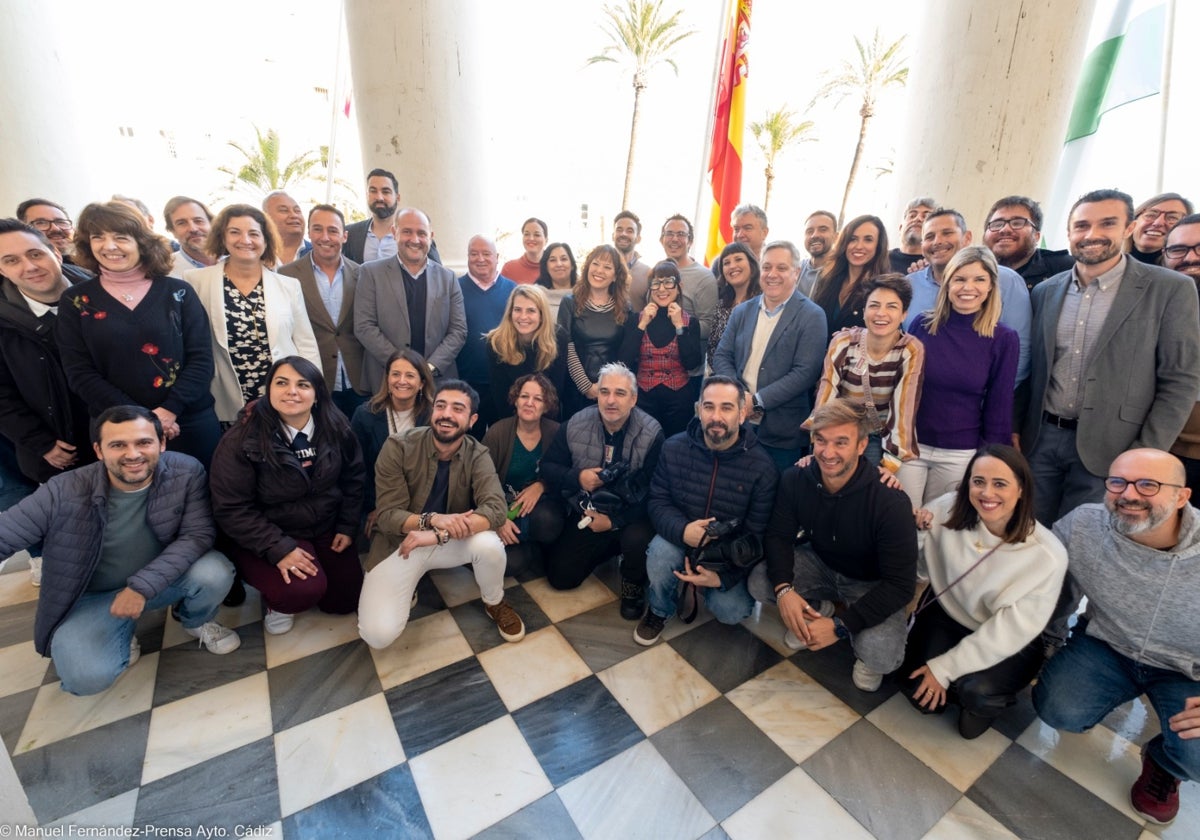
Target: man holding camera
(601, 461)
(710, 499)
(837, 535)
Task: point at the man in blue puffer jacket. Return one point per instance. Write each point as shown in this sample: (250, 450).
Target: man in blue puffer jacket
(713, 477)
(131, 533)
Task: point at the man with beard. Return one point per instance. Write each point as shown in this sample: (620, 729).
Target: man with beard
(189, 222)
(820, 232)
(908, 252)
(374, 238)
(1014, 225)
(1137, 560)
(439, 505)
(53, 222)
(131, 533)
(713, 474)
(627, 233)
(1182, 254)
(841, 550)
(1115, 359)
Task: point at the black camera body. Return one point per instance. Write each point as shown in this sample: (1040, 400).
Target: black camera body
(726, 549)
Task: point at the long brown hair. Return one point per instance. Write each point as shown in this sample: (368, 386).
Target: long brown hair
(619, 288)
(154, 252)
(1022, 522)
(837, 270)
(383, 395)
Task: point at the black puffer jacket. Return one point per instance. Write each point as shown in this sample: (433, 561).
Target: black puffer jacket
(743, 480)
(266, 507)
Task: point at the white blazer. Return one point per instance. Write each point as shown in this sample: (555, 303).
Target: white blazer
(288, 329)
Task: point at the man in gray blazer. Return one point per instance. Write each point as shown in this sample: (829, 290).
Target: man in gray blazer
(1115, 359)
(775, 345)
(409, 301)
(328, 281)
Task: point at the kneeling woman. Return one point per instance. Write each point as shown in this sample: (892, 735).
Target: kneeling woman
(287, 490)
(994, 578)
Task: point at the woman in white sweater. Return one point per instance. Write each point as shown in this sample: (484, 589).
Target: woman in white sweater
(994, 578)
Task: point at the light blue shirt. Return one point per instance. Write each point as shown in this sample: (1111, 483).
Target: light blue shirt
(331, 296)
(378, 249)
(1016, 311)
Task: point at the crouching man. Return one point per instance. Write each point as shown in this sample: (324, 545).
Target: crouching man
(130, 533)
(710, 499)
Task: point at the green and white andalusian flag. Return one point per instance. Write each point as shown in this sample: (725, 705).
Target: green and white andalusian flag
(1114, 133)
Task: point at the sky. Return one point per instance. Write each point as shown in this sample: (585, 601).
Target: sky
(554, 131)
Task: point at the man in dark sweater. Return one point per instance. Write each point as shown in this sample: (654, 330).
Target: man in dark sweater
(857, 545)
(485, 293)
(1014, 225)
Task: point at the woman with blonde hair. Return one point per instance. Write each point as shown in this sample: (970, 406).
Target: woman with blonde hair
(970, 369)
(594, 318)
(527, 340)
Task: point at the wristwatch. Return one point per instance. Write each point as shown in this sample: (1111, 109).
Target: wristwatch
(756, 404)
(841, 630)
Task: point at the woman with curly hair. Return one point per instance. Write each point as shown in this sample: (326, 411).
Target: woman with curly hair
(135, 336)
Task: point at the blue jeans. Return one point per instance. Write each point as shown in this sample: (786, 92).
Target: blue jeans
(1088, 679)
(90, 648)
(728, 606)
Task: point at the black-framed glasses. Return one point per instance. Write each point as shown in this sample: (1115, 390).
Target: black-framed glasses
(1016, 223)
(44, 225)
(1178, 252)
(1144, 486)
(663, 283)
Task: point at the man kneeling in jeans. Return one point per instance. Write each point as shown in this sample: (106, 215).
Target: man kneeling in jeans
(714, 477)
(130, 533)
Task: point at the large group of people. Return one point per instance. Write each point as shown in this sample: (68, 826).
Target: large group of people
(995, 430)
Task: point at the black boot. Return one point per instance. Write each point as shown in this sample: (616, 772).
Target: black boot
(633, 600)
(237, 593)
(972, 725)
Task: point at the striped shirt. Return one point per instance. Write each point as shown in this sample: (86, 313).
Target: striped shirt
(895, 384)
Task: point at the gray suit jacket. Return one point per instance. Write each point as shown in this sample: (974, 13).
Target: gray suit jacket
(381, 317)
(790, 367)
(1145, 375)
(332, 338)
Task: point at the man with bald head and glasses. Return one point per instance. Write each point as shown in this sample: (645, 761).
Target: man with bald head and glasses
(1136, 558)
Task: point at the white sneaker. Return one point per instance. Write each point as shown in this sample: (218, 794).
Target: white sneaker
(864, 678)
(135, 651)
(216, 637)
(277, 623)
(35, 571)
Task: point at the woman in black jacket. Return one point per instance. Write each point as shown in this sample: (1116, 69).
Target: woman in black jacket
(594, 318)
(287, 489)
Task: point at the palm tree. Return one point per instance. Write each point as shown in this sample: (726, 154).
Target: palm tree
(262, 172)
(643, 36)
(879, 66)
(775, 133)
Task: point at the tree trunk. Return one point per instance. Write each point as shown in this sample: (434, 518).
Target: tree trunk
(858, 150)
(633, 127)
(770, 173)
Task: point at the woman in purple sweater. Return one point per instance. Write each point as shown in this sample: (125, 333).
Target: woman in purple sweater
(970, 371)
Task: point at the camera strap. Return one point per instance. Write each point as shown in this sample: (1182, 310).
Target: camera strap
(689, 601)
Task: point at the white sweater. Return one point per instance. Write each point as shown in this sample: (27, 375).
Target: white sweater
(1005, 602)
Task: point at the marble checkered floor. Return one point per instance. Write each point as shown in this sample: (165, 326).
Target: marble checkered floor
(576, 731)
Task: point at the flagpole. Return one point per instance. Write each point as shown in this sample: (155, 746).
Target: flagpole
(704, 187)
(335, 94)
(1168, 50)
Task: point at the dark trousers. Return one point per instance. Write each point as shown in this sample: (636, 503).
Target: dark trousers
(986, 693)
(347, 400)
(198, 435)
(672, 409)
(573, 556)
(334, 589)
(538, 529)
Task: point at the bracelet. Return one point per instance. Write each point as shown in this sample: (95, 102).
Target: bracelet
(783, 590)
(424, 523)
(443, 537)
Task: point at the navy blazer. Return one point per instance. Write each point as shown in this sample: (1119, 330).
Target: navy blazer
(1144, 375)
(790, 366)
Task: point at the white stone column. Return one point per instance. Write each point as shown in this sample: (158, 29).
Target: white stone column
(990, 91)
(46, 151)
(419, 83)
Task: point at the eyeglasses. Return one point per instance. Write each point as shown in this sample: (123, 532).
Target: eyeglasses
(1144, 486)
(1151, 216)
(1016, 223)
(44, 225)
(663, 283)
(1178, 252)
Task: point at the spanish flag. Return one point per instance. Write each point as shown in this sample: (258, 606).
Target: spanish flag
(725, 161)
